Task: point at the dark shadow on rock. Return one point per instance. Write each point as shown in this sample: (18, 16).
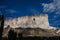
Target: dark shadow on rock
(20, 36)
(12, 35)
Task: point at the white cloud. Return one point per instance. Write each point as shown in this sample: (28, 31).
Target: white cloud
(52, 7)
(11, 11)
(48, 7)
(57, 4)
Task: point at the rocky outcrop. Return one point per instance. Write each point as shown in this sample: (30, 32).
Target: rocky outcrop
(38, 21)
(37, 25)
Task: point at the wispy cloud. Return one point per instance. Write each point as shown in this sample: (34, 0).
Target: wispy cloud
(48, 7)
(11, 11)
(52, 7)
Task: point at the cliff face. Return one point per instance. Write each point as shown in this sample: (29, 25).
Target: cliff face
(37, 25)
(38, 21)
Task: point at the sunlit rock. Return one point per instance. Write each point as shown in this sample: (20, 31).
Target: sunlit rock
(38, 21)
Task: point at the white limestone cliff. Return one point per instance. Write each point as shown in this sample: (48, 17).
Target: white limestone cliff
(38, 21)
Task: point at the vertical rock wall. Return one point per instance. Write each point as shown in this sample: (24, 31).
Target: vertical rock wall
(38, 21)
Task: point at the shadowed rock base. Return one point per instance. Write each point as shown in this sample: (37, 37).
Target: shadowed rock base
(36, 38)
(31, 32)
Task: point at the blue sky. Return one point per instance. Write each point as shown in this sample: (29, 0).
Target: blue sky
(18, 8)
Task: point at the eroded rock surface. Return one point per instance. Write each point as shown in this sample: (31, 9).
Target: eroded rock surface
(26, 32)
(38, 21)
(31, 26)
